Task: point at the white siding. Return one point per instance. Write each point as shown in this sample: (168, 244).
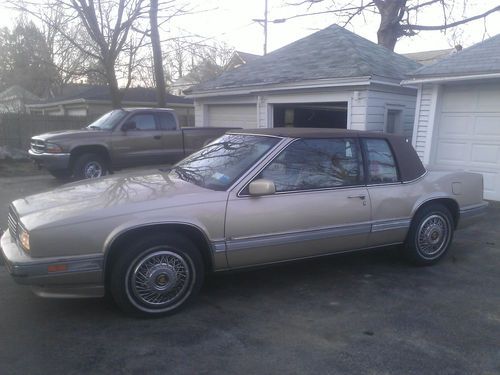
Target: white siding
(379, 102)
(422, 119)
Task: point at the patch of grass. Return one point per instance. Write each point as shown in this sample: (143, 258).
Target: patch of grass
(16, 168)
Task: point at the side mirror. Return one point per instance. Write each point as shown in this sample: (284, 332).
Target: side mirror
(261, 187)
(129, 125)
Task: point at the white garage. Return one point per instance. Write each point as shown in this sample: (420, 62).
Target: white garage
(457, 119)
(240, 116)
(468, 136)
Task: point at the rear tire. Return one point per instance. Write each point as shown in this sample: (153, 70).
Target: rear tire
(89, 166)
(157, 275)
(430, 235)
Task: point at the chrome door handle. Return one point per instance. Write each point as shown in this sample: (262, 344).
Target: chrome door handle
(361, 196)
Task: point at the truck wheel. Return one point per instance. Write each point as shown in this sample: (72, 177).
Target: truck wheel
(89, 166)
(157, 275)
(430, 235)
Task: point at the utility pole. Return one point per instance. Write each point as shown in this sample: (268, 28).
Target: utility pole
(264, 21)
(265, 27)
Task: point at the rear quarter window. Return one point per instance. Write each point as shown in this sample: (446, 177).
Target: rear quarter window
(382, 168)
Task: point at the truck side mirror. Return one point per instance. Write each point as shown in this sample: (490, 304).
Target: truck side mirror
(129, 125)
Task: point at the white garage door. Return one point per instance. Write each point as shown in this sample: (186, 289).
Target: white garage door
(468, 133)
(240, 116)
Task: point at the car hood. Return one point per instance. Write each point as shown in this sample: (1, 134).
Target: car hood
(111, 196)
(73, 134)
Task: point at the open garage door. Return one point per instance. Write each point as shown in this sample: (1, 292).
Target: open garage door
(468, 133)
(311, 115)
(235, 115)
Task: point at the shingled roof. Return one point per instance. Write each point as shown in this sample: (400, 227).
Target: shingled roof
(481, 58)
(102, 93)
(333, 52)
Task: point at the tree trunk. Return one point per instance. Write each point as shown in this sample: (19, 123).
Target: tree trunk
(114, 91)
(161, 92)
(390, 30)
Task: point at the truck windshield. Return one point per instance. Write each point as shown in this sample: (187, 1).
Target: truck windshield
(108, 120)
(222, 162)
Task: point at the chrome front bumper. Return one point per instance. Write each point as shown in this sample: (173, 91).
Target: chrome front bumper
(63, 277)
(50, 161)
(472, 214)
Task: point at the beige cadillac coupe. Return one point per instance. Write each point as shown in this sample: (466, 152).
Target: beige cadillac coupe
(249, 198)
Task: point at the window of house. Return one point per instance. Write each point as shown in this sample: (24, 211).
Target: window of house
(316, 164)
(167, 121)
(394, 123)
(381, 162)
(144, 121)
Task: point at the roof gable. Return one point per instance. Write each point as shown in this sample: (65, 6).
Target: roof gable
(333, 52)
(481, 58)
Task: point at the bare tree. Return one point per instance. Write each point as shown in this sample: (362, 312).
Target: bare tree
(161, 91)
(398, 18)
(106, 38)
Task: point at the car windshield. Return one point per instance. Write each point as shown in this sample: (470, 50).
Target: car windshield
(108, 120)
(219, 164)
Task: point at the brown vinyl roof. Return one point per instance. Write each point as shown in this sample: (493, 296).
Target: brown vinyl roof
(310, 132)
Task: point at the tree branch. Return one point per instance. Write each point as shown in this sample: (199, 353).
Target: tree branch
(449, 25)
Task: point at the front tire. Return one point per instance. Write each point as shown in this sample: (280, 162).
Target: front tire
(89, 166)
(430, 235)
(157, 275)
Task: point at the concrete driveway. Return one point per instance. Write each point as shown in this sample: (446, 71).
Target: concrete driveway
(367, 313)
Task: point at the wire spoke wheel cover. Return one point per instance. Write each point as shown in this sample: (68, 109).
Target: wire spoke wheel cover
(433, 236)
(159, 280)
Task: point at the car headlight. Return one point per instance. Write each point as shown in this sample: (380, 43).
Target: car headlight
(52, 148)
(24, 239)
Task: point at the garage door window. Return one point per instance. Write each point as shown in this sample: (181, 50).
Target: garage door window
(381, 163)
(316, 164)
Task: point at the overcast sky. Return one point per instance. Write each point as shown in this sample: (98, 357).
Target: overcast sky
(231, 21)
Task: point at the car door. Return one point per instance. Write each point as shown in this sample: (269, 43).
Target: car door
(321, 205)
(392, 201)
(142, 144)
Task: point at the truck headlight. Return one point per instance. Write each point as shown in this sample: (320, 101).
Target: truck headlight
(52, 148)
(24, 239)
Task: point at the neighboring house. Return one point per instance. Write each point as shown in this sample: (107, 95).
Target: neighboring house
(241, 58)
(94, 100)
(15, 98)
(457, 120)
(431, 57)
(184, 83)
(181, 84)
(332, 78)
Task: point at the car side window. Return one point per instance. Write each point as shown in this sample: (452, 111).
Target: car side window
(316, 164)
(381, 163)
(145, 121)
(167, 121)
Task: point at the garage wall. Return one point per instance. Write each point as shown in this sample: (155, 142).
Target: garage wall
(379, 102)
